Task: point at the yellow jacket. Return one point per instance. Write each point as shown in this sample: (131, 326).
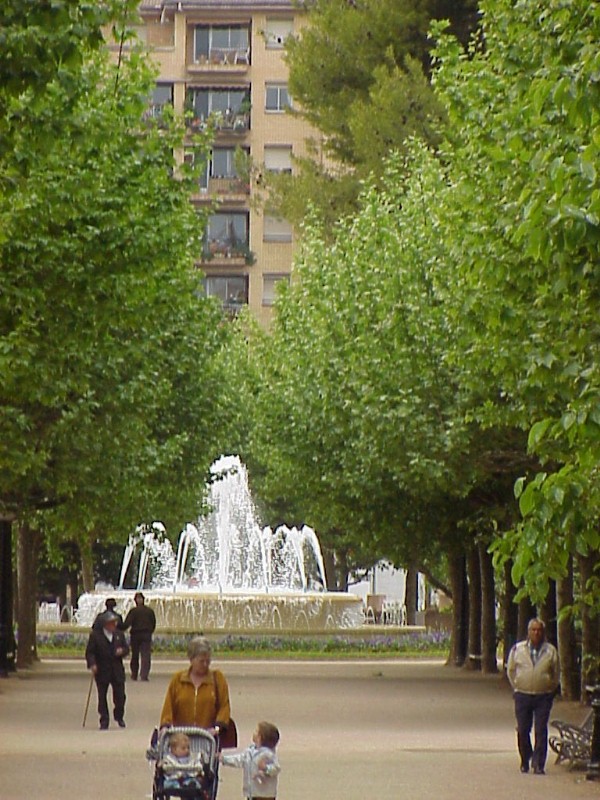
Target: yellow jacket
(186, 705)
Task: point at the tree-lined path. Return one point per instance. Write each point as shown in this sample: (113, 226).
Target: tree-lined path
(350, 731)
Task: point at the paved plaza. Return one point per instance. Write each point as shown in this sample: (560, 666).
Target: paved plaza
(350, 731)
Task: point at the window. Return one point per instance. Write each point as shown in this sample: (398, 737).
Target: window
(278, 158)
(227, 235)
(223, 163)
(231, 107)
(270, 286)
(277, 97)
(276, 229)
(190, 157)
(222, 44)
(276, 32)
(162, 95)
(232, 290)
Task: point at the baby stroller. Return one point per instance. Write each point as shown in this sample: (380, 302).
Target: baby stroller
(199, 780)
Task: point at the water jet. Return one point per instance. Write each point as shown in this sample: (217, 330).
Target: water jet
(227, 573)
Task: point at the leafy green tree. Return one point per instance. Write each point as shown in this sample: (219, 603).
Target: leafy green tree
(357, 74)
(523, 116)
(115, 400)
(527, 144)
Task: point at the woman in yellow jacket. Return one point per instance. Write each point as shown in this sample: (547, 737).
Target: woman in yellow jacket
(198, 695)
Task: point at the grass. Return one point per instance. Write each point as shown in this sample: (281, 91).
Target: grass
(70, 644)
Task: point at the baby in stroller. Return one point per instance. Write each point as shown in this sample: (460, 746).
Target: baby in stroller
(181, 768)
(186, 764)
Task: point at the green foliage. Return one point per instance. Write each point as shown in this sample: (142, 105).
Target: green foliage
(115, 399)
(523, 133)
(453, 314)
(39, 38)
(357, 74)
(358, 423)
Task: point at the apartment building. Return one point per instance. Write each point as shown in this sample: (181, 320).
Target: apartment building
(223, 60)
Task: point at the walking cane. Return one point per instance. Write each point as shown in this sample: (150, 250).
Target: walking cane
(87, 705)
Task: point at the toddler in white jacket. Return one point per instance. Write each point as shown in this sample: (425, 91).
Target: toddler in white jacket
(259, 762)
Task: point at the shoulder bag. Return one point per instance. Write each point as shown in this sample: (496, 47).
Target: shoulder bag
(229, 737)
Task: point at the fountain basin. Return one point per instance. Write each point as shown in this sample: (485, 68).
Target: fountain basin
(196, 611)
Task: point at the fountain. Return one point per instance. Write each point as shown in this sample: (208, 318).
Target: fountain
(227, 572)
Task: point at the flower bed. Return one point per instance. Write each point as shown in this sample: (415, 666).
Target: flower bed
(409, 644)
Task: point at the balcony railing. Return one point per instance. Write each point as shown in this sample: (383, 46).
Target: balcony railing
(234, 254)
(225, 122)
(224, 56)
(228, 186)
(155, 111)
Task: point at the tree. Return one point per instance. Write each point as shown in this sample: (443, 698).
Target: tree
(357, 73)
(527, 144)
(424, 341)
(38, 42)
(115, 400)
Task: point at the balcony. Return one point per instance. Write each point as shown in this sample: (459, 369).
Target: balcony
(227, 122)
(155, 112)
(224, 189)
(221, 47)
(222, 59)
(230, 186)
(231, 290)
(231, 254)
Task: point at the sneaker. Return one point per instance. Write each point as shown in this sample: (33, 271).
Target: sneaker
(121, 723)
(539, 771)
(103, 726)
(524, 767)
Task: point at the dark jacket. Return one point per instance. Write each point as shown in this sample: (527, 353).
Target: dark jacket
(101, 653)
(142, 621)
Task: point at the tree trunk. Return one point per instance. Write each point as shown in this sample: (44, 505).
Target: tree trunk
(330, 574)
(410, 595)
(527, 612)
(473, 661)
(567, 644)
(590, 633)
(7, 634)
(460, 610)
(511, 615)
(489, 643)
(27, 563)
(343, 571)
(548, 614)
(87, 570)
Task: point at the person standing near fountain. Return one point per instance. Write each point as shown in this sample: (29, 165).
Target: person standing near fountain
(142, 621)
(104, 657)
(110, 605)
(197, 695)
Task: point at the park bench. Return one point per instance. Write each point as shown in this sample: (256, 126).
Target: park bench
(573, 743)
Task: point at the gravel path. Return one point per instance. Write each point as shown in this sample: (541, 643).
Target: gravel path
(350, 731)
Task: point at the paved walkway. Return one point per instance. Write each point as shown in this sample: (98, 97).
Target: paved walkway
(350, 731)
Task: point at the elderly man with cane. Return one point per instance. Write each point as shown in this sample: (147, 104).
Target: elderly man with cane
(534, 675)
(104, 656)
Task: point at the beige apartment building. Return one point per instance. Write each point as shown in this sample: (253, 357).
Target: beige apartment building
(224, 60)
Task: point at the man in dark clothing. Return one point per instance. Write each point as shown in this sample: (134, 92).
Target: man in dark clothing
(110, 604)
(142, 621)
(104, 656)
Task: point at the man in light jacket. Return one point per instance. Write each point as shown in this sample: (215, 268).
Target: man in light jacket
(534, 675)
